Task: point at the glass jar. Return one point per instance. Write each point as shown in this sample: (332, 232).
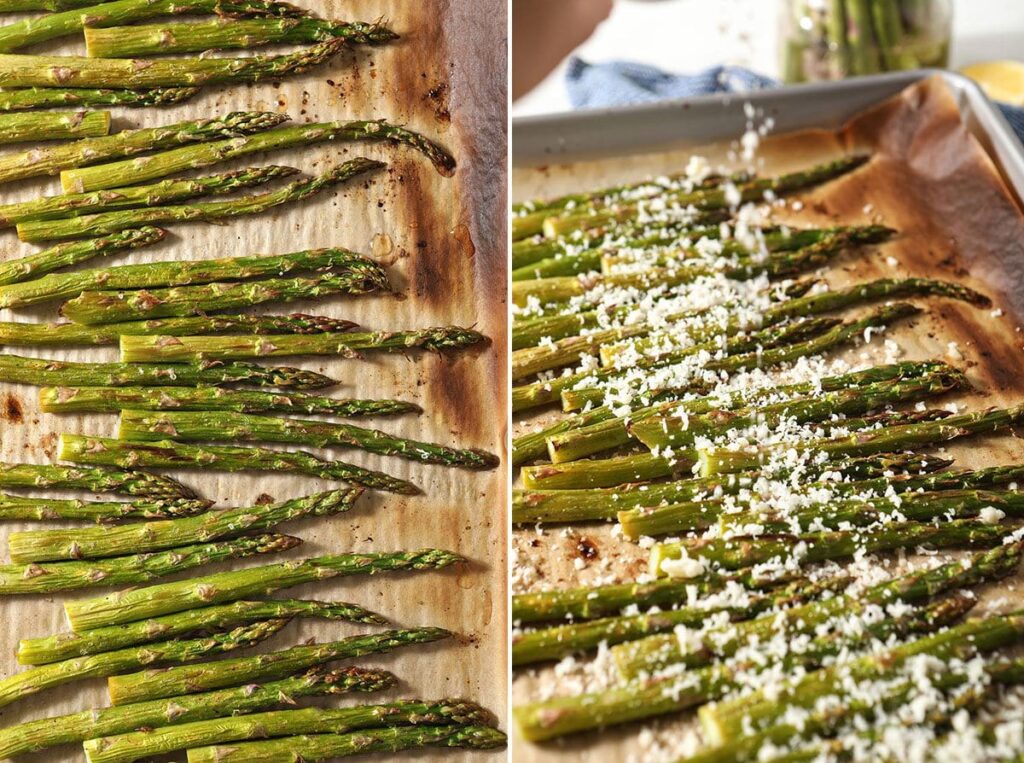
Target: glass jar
(832, 39)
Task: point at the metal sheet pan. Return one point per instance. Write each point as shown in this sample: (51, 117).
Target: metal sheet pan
(973, 235)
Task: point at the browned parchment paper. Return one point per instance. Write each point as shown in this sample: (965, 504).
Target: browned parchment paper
(929, 179)
(446, 240)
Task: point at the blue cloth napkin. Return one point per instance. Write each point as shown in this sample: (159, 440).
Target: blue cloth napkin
(621, 82)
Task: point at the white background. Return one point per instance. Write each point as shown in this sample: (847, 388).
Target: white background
(688, 35)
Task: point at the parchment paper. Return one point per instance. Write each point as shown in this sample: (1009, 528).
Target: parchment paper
(929, 179)
(446, 238)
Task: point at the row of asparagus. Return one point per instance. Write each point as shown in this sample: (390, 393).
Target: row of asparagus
(155, 651)
(755, 488)
(125, 64)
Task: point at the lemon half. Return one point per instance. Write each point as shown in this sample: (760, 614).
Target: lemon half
(1001, 80)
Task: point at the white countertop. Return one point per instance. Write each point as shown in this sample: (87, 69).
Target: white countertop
(689, 35)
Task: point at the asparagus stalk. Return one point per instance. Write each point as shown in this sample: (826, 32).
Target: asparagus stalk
(126, 482)
(52, 159)
(221, 7)
(102, 223)
(97, 543)
(622, 470)
(810, 548)
(960, 642)
(143, 426)
(744, 356)
(589, 602)
(18, 370)
(744, 346)
(39, 509)
(949, 494)
(329, 746)
(871, 513)
(598, 429)
(577, 437)
(64, 646)
(960, 687)
(563, 289)
(561, 640)
(720, 461)
(98, 307)
(864, 52)
(531, 506)
(668, 693)
(702, 199)
(165, 599)
(42, 734)
(670, 429)
(129, 570)
(115, 400)
(18, 70)
(199, 37)
(156, 684)
(157, 194)
(191, 349)
(35, 680)
(73, 18)
(816, 304)
(131, 172)
(53, 125)
(101, 451)
(125, 748)
(75, 252)
(655, 652)
(44, 98)
(175, 272)
(64, 334)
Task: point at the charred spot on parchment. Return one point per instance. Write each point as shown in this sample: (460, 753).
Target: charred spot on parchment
(454, 388)
(12, 410)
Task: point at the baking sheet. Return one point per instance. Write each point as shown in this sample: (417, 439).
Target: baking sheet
(931, 180)
(446, 240)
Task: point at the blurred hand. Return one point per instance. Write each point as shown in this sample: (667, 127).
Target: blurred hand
(546, 31)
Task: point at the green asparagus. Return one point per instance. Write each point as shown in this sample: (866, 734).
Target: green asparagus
(101, 307)
(721, 461)
(199, 37)
(64, 646)
(143, 426)
(190, 349)
(319, 747)
(75, 252)
(43, 98)
(100, 451)
(18, 370)
(34, 680)
(157, 194)
(141, 603)
(38, 509)
(130, 172)
(45, 476)
(115, 400)
(53, 125)
(155, 684)
(125, 748)
(42, 734)
(139, 568)
(176, 273)
(102, 223)
(96, 543)
(52, 159)
(810, 548)
(65, 333)
(18, 70)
